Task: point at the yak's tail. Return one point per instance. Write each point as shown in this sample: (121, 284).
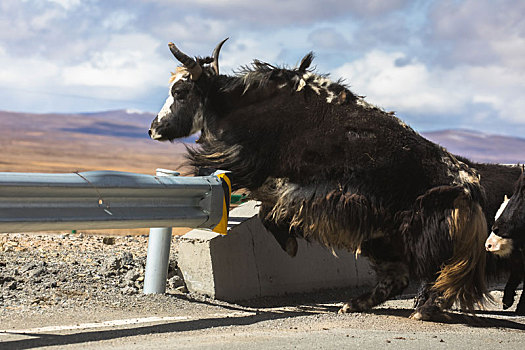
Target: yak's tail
(462, 278)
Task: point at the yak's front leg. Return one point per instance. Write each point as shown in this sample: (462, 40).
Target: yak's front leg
(520, 309)
(423, 293)
(509, 293)
(392, 279)
(517, 274)
(283, 234)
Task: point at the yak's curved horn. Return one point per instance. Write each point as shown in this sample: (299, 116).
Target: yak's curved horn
(215, 55)
(193, 67)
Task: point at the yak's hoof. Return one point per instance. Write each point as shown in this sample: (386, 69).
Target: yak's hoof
(352, 306)
(507, 302)
(345, 309)
(418, 316)
(427, 313)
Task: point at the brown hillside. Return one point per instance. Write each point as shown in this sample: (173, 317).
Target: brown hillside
(77, 142)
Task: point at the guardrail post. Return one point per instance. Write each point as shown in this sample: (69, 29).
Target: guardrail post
(157, 260)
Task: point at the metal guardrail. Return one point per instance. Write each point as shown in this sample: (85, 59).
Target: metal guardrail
(107, 199)
(111, 199)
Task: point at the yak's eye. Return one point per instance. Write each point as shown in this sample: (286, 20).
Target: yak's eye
(180, 93)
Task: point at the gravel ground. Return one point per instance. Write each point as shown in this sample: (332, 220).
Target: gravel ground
(42, 271)
(71, 279)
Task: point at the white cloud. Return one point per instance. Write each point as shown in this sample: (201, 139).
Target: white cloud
(242, 52)
(511, 50)
(188, 31)
(440, 58)
(118, 20)
(410, 87)
(44, 20)
(66, 4)
(24, 72)
(128, 61)
(478, 32)
(128, 69)
(416, 89)
(287, 12)
(501, 88)
(328, 38)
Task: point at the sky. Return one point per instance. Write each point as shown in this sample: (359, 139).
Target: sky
(438, 64)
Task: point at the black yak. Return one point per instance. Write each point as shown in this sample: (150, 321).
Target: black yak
(330, 167)
(508, 240)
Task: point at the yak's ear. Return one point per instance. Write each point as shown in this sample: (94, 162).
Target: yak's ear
(306, 62)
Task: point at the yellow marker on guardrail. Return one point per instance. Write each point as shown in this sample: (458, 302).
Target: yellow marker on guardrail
(222, 226)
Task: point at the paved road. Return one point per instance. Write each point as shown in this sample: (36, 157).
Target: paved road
(206, 324)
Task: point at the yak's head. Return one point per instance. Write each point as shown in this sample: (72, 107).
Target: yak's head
(182, 114)
(508, 232)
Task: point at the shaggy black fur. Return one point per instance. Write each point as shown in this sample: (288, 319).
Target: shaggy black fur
(511, 222)
(516, 277)
(330, 167)
(511, 225)
(497, 181)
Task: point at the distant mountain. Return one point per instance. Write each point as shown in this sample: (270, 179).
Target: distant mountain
(112, 140)
(123, 115)
(108, 135)
(117, 123)
(137, 124)
(481, 147)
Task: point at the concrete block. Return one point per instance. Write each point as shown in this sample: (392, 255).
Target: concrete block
(248, 262)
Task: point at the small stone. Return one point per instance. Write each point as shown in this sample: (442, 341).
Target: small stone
(124, 284)
(51, 284)
(5, 279)
(132, 275)
(11, 285)
(108, 240)
(129, 290)
(126, 258)
(182, 289)
(113, 263)
(175, 282)
(38, 272)
(29, 266)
